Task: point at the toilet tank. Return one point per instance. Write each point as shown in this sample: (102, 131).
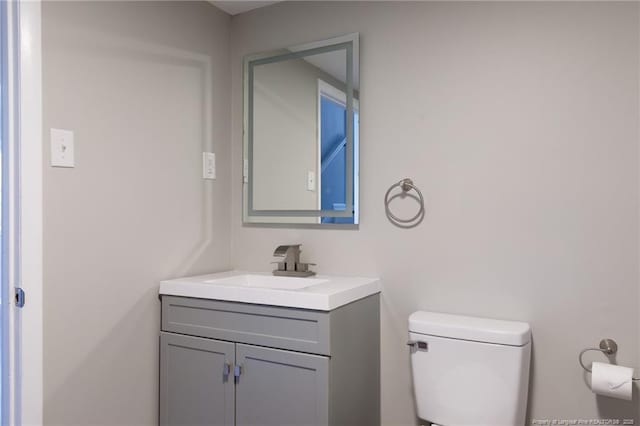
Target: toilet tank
(469, 371)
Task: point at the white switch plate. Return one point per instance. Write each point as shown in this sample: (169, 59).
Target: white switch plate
(62, 152)
(311, 180)
(208, 165)
(245, 170)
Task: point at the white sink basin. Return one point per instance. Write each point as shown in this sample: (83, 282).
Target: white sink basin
(267, 281)
(322, 293)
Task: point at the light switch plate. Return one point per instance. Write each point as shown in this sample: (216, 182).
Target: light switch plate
(208, 165)
(62, 151)
(311, 180)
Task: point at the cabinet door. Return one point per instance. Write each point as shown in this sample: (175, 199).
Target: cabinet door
(194, 386)
(281, 388)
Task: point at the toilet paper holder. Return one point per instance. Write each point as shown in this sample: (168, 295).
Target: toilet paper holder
(607, 347)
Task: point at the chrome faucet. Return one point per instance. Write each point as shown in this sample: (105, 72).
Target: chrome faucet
(291, 265)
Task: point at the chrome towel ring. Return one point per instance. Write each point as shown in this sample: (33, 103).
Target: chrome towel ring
(405, 185)
(607, 347)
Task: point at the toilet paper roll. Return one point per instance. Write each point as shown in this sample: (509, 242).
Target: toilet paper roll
(611, 380)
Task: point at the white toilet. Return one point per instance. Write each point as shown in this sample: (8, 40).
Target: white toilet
(469, 371)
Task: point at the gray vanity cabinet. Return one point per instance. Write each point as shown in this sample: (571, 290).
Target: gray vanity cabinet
(285, 366)
(279, 387)
(194, 386)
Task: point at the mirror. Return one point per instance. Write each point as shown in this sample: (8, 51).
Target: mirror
(300, 148)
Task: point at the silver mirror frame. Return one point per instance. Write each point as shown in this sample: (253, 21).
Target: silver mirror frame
(349, 43)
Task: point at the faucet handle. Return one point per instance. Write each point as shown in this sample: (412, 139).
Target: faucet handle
(281, 265)
(304, 267)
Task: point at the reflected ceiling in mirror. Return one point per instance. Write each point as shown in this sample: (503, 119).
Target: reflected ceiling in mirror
(300, 150)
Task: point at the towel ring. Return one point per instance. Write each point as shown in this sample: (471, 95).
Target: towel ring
(607, 347)
(406, 185)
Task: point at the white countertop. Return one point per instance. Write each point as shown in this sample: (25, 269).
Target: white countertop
(324, 293)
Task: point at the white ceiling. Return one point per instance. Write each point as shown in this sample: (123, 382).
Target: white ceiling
(234, 7)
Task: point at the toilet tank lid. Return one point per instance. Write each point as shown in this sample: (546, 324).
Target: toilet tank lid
(513, 333)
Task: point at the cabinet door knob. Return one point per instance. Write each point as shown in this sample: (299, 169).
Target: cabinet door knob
(237, 371)
(226, 370)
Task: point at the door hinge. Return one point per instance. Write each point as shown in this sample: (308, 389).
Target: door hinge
(19, 295)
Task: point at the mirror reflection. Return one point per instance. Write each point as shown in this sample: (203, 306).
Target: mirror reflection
(301, 151)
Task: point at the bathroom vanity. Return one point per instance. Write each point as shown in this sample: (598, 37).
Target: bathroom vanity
(241, 348)
(254, 349)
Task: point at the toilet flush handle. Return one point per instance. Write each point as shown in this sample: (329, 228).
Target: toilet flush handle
(417, 345)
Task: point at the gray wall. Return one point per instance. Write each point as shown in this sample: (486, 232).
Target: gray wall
(519, 121)
(145, 87)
